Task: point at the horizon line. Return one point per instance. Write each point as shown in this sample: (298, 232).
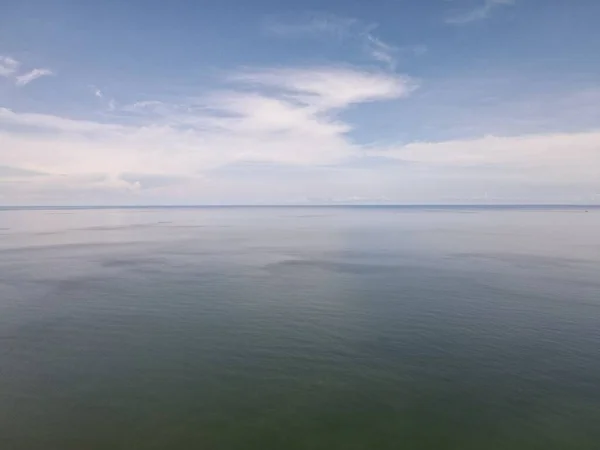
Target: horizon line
(325, 205)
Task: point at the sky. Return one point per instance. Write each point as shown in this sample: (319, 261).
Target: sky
(190, 102)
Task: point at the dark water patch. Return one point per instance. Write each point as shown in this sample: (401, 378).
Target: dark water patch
(75, 247)
(133, 262)
(523, 260)
(121, 227)
(195, 226)
(333, 266)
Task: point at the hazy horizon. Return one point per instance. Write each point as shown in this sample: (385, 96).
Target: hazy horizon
(309, 205)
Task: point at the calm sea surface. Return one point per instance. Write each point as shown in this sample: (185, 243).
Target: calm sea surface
(300, 328)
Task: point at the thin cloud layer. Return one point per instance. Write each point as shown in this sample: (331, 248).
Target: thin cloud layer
(572, 157)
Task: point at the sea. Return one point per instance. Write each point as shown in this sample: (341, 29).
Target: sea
(300, 328)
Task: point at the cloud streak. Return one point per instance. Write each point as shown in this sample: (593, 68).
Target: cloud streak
(480, 13)
(338, 29)
(381, 51)
(33, 75)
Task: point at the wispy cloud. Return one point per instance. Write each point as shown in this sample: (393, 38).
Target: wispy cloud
(311, 24)
(33, 75)
(109, 103)
(339, 29)
(481, 12)
(331, 87)
(275, 116)
(380, 50)
(8, 66)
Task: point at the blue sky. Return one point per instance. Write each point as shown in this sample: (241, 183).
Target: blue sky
(254, 102)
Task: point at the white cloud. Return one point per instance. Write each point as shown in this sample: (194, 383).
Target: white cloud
(8, 66)
(28, 77)
(177, 165)
(276, 136)
(287, 118)
(327, 88)
(482, 12)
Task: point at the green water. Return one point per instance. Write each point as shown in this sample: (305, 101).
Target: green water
(300, 328)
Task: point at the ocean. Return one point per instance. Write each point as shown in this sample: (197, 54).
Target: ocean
(463, 328)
